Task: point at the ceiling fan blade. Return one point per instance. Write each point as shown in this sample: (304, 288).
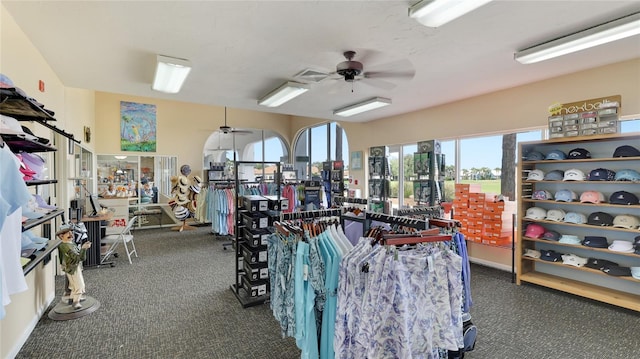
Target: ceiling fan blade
(403, 65)
(367, 56)
(382, 84)
(409, 74)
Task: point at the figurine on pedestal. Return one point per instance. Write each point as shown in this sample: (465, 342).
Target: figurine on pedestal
(71, 257)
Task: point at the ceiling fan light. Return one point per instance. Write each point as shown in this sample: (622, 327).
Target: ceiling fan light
(170, 74)
(361, 107)
(594, 36)
(286, 92)
(435, 13)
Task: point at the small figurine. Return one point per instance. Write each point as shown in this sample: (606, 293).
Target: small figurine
(71, 257)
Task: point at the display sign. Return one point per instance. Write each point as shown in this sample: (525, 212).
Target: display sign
(585, 105)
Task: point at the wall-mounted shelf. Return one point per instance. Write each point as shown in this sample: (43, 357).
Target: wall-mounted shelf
(41, 255)
(40, 182)
(15, 105)
(18, 143)
(46, 218)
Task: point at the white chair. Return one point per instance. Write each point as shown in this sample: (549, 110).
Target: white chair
(125, 237)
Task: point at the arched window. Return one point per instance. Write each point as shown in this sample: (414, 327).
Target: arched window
(314, 145)
(246, 145)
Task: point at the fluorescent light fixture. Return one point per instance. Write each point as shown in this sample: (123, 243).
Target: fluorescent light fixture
(170, 74)
(282, 94)
(435, 13)
(594, 36)
(120, 157)
(364, 106)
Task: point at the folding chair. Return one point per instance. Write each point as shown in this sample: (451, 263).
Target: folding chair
(125, 237)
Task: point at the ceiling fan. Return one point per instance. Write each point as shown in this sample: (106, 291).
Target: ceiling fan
(352, 70)
(227, 129)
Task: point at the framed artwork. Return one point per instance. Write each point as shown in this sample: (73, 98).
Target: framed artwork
(356, 160)
(137, 127)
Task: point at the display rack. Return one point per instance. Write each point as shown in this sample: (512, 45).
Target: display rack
(21, 108)
(428, 166)
(379, 179)
(623, 291)
(254, 219)
(333, 181)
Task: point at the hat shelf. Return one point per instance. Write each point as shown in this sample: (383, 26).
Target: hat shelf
(14, 103)
(623, 291)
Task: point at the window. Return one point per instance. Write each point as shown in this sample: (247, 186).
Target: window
(246, 145)
(314, 145)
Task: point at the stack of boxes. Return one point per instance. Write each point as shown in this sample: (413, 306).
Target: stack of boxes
(483, 220)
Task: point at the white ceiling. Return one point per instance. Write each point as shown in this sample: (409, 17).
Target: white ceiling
(241, 50)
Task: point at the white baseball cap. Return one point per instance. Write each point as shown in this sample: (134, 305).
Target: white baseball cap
(574, 260)
(531, 253)
(574, 174)
(535, 175)
(626, 221)
(556, 215)
(535, 213)
(11, 126)
(621, 246)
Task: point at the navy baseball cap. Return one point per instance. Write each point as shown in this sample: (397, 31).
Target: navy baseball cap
(617, 271)
(595, 242)
(623, 197)
(578, 153)
(596, 263)
(601, 174)
(550, 255)
(600, 219)
(626, 151)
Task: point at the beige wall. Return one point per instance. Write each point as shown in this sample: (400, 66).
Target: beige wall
(182, 128)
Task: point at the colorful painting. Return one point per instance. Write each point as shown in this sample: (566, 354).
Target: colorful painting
(137, 127)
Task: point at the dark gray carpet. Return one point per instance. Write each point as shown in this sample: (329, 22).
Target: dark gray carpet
(174, 302)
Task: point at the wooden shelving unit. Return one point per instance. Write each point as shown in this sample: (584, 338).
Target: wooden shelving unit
(590, 283)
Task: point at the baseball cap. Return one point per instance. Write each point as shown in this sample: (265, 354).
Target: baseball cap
(617, 271)
(534, 230)
(574, 217)
(535, 213)
(627, 175)
(555, 175)
(595, 242)
(626, 151)
(592, 197)
(535, 175)
(556, 155)
(636, 241)
(597, 263)
(531, 253)
(534, 156)
(601, 174)
(626, 221)
(550, 255)
(569, 239)
(600, 219)
(542, 194)
(30, 241)
(556, 215)
(11, 126)
(619, 245)
(565, 195)
(5, 82)
(635, 272)
(578, 153)
(42, 140)
(623, 197)
(551, 235)
(573, 260)
(574, 174)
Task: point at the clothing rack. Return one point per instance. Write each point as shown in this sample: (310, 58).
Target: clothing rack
(333, 212)
(403, 221)
(431, 211)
